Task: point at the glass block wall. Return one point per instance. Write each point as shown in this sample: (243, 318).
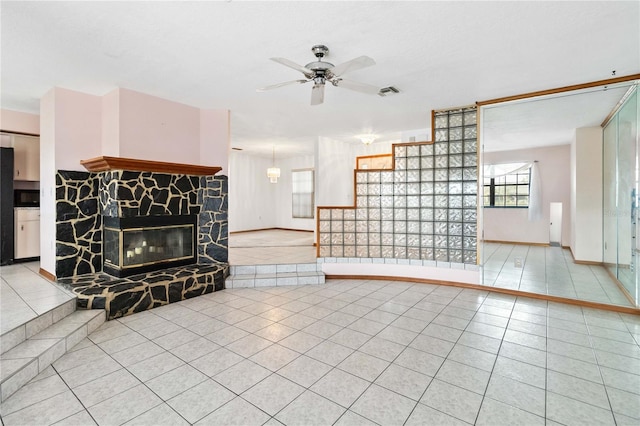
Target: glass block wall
(425, 208)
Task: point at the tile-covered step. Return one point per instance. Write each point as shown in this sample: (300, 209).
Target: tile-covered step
(30, 357)
(19, 334)
(274, 275)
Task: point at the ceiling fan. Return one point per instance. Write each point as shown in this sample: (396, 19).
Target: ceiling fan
(320, 72)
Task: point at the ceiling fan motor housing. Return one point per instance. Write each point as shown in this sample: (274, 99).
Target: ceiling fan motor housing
(320, 50)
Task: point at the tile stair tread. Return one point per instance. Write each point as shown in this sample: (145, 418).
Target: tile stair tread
(22, 355)
(11, 338)
(276, 268)
(276, 275)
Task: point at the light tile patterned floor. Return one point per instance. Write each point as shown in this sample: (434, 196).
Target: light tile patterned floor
(548, 270)
(346, 353)
(24, 295)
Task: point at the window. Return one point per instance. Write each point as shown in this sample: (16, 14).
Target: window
(507, 190)
(302, 196)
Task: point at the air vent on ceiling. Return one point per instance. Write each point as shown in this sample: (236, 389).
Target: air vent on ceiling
(386, 91)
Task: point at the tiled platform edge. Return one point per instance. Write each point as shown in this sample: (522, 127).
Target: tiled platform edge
(30, 348)
(137, 293)
(275, 275)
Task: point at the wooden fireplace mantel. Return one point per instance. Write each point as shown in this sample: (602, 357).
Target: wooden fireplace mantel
(104, 163)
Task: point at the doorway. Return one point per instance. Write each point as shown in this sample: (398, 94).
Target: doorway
(555, 224)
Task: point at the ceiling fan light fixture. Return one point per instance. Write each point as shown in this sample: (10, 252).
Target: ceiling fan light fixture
(367, 139)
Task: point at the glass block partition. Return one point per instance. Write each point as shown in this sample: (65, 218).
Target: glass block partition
(425, 208)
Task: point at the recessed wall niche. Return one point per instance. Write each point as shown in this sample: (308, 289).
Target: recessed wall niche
(423, 209)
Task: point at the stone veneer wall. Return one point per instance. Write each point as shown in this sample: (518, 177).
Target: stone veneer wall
(82, 198)
(78, 224)
(424, 209)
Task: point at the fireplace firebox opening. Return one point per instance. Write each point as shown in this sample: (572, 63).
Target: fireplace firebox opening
(147, 243)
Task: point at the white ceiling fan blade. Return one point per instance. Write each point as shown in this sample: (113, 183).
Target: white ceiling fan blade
(317, 94)
(287, 63)
(286, 83)
(352, 65)
(358, 87)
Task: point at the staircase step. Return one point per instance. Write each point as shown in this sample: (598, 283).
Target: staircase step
(14, 337)
(31, 356)
(274, 275)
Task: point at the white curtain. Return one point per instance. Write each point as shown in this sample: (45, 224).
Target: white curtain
(497, 170)
(535, 194)
(535, 187)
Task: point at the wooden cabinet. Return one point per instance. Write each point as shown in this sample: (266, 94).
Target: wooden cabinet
(26, 154)
(27, 233)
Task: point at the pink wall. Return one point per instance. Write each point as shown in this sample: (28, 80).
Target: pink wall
(504, 224)
(215, 139)
(137, 125)
(157, 129)
(78, 128)
(14, 121)
(111, 124)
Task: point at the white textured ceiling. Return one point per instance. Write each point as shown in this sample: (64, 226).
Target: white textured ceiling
(215, 54)
(549, 120)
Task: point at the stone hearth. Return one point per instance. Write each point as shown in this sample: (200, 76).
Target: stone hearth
(125, 296)
(85, 200)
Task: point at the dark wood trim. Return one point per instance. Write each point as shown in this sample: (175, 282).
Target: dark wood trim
(373, 156)
(518, 293)
(48, 275)
(560, 89)
(518, 243)
(269, 229)
(620, 286)
(13, 132)
(433, 126)
(363, 157)
(105, 163)
(584, 262)
(318, 230)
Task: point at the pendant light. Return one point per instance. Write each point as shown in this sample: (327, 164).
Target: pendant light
(273, 172)
(367, 139)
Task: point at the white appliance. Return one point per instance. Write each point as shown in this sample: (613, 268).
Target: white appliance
(27, 232)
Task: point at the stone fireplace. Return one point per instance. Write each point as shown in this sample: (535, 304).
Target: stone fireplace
(133, 234)
(147, 243)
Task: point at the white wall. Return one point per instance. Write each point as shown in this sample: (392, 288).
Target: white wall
(70, 131)
(284, 188)
(251, 196)
(586, 194)
(335, 163)
(47, 183)
(419, 135)
(512, 224)
(254, 202)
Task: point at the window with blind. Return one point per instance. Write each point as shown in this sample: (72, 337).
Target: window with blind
(303, 193)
